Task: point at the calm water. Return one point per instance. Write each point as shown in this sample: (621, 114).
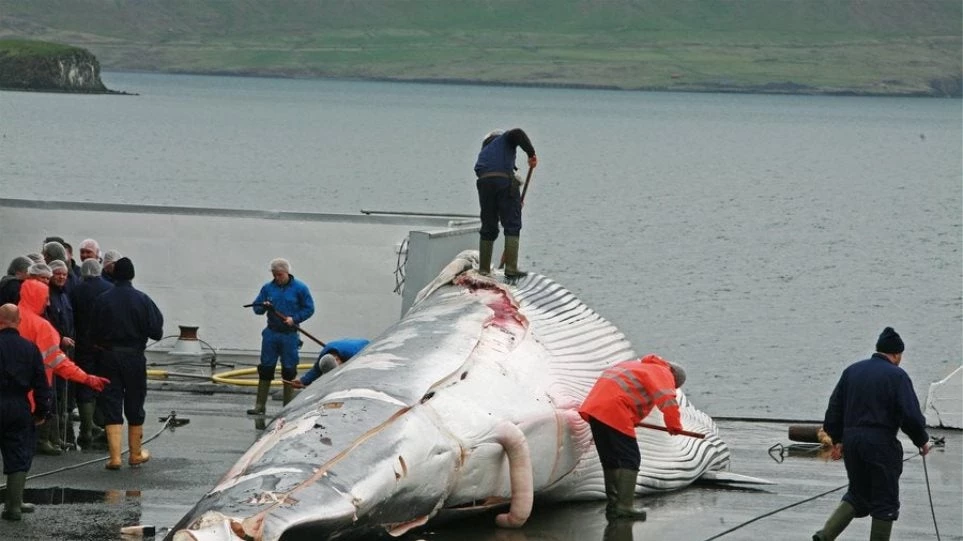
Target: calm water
(761, 241)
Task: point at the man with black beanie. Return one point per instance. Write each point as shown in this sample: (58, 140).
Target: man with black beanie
(124, 318)
(873, 400)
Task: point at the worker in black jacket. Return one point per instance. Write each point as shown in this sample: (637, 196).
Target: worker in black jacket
(873, 400)
(21, 371)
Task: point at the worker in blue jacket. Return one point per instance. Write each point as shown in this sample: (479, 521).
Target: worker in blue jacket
(21, 371)
(873, 400)
(499, 198)
(287, 302)
(334, 354)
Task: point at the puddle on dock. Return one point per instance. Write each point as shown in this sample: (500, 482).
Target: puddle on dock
(67, 496)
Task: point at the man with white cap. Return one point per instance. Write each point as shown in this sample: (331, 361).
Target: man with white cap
(287, 302)
(499, 197)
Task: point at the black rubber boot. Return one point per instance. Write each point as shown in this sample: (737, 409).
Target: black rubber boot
(263, 387)
(625, 481)
(12, 507)
(44, 447)
(836, 523)
(485, 249)
(511, 258)
(86, 431)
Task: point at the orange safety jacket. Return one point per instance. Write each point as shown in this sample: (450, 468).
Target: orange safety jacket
(33, 327)
(625, 394)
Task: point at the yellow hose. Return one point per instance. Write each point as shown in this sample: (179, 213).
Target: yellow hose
(230, 377)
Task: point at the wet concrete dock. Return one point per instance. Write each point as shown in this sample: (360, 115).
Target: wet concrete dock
(91, 504)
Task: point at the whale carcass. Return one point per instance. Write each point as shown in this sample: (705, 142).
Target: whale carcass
(467, 403)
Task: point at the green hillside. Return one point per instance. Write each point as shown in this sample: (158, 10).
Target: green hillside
(837, 46)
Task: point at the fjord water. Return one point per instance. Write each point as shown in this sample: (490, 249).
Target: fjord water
(761, 241)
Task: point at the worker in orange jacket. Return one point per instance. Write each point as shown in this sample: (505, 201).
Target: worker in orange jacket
(620, 399)
(34, 296)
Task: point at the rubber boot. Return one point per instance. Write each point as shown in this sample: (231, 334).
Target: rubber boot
(880, 530)
(836, 523)
(611, 493)
(485, 249)
(53, 431)
(114, 443)
(85, 436)
(625, 481)
(511, 258)
(44, 447)
(12, 507)
(65, 428)
(263, 387)
(138, 455)
(288, 394)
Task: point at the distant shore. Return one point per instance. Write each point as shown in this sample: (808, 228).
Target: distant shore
(786, 88)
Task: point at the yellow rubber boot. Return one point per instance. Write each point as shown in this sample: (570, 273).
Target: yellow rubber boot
(115, 440)
(138, 455)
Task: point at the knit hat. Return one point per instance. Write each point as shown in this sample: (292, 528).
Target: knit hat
(889, 342)
(124, 269)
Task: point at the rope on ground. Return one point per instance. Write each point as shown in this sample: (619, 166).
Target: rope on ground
(169, 421)
(807, 500)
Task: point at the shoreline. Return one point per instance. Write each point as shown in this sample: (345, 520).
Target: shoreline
(767, 89)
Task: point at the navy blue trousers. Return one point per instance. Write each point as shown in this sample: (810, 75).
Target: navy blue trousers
(499, 200)
(18, 436)
(127, 391)
(276, 344)
(874, 463)
(616, 450)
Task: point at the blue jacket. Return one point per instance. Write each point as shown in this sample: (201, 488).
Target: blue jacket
(875, 394)
(498, 156)
(21, 370)
(293, 299)
(126, 317)
(344, 348)
(60, 312)
(82, 299)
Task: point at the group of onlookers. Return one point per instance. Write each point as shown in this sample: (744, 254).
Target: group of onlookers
(88, 328)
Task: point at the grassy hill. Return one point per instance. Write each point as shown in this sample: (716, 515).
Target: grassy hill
(820, 46)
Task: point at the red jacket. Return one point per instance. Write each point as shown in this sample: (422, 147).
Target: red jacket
(625, 394)
(33, 327)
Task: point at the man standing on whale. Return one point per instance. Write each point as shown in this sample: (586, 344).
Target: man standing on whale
(499, 197)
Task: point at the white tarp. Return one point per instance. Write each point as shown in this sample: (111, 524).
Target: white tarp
(944, 403)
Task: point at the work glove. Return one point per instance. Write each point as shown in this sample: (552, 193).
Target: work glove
(96, 383)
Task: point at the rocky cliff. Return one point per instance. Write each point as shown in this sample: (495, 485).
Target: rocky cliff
(37, 65)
